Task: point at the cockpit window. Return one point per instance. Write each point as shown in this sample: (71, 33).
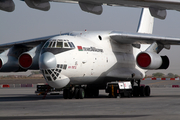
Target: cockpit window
(59, 44)
(69, 44)
(72, 44)
(54, 44)
(50, 44)
(46, 45)
(66, 45)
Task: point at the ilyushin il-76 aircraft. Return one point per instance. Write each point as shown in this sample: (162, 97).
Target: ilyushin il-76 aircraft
(85, 61)
(157, 7)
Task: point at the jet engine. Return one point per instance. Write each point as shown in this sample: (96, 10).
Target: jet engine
(25, 60)
(92, 8)
(30, 59)
(7, 5)
(150, 60)
(38, 4)
(8, 64)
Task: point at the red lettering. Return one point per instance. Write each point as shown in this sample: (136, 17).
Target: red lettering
(73, 67)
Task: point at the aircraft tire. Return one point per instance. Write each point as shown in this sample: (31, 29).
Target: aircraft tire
(76, 93)
(81, 93)
(142, 91)
(65, 93)
(136, 91)
(70, 94)
(147, 91)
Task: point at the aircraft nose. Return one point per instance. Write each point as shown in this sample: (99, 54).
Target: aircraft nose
(47, 60)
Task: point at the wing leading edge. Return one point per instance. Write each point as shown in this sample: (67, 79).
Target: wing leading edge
(27, 43)
(139, 38)
(120, 37)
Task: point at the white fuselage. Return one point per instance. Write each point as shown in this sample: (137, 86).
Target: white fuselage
(95, 58)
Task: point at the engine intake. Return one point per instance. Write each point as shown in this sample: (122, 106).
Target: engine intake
(149, 60)
(30, 60)
(25, 60)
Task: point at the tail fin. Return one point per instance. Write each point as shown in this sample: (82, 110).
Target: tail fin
(146, 22)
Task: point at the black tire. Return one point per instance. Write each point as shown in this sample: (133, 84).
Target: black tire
(147, 91)
(76, 93)
(81, 93)
(136, 91)
(70, 94)
(65, 93)
(142, 91)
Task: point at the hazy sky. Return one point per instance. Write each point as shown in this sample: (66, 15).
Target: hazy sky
(26, 23)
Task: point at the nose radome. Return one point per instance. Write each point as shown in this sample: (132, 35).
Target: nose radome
(47, 61)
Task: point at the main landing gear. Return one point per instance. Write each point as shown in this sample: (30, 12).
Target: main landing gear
(140, 90)
(115, 89)
(70, 93)
(80, 92)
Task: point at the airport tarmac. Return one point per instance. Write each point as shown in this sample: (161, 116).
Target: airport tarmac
(23, 104)
(152, 83)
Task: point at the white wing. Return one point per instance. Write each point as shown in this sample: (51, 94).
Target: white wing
(138, 38)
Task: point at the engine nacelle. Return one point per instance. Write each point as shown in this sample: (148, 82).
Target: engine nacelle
(158, 13)
(8, 64)
(149, 60)
(38, 4)
(30, 59)
(7, 5)
(92, 8)
(25, 60)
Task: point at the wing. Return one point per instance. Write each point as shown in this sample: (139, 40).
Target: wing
(25, 43)
(161, 4)
(138, 38)
(12, 54)
(95, 6)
